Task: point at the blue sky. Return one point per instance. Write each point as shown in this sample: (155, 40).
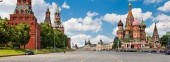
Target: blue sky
(97, 19)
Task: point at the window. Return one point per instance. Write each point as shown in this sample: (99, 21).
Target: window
(22, 11)
(26, 11)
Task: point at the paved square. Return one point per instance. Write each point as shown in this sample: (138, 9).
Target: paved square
(90, 56)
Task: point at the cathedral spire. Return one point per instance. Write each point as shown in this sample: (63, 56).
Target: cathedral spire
(130, 18)
(155, 30)
(155, 34)
(130, 6)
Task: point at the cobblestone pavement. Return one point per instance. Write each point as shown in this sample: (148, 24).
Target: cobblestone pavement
(90, 56)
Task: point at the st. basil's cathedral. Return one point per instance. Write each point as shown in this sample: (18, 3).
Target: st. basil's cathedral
(134, 35)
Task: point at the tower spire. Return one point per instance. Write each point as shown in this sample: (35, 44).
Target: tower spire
(155, 30)
(155, 34)
(130, 18)
(47, 17)
(130, 6)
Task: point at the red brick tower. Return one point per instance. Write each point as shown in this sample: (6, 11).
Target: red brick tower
(155, 36)
(129, 21)
(57, 21)
(23, 14)
(47, 17)
(120, 32)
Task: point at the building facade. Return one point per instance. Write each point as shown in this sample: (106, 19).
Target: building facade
(97, 47)
(134, 35)
(23, 14)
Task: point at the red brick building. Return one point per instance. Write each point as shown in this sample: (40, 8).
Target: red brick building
(23, 14)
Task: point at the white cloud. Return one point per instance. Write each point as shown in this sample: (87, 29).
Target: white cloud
(105, 39)
(65, 5)
(152, 1)
(7, 7)
(162, 18)
(115, 31)
(137, 13)
(80, 39)
(165, 7)
(88, 23)
(162, 25)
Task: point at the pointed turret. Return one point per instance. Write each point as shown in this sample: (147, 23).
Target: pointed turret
(57, 21)
(47, 17)
(120, 31)
(89, 43)
(142, 24)
(155, 34)
(120, 23)
(142, 29)
(85, 43)
(130, 18)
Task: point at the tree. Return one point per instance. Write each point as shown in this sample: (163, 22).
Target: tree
(23, 33)
(115, 43)
(164, 39)
(47, 35)
(4, 32)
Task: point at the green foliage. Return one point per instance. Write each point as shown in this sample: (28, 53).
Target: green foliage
(23, 35)
(164, 39)
(49, 36)
(115, 43)
(16, 35)
(4, 32)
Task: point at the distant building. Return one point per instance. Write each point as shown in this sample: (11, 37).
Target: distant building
(134, 35)
(97, 47)
(23, 14)
(101, 46)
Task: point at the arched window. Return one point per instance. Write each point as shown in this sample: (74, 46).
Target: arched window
(22, 11)
(26, 11)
